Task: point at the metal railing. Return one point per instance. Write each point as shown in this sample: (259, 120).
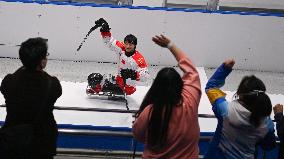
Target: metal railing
(87, 152)
(87, 132)
(109, 110)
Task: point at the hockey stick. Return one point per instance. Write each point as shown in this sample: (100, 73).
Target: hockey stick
(124, 77)
(134, 144)
(90, 31)
(126, 102)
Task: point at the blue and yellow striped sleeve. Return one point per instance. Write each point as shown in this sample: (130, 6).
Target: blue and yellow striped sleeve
(218, 78)
(214, 94)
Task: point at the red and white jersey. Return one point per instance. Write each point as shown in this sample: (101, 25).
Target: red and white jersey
(135, 62)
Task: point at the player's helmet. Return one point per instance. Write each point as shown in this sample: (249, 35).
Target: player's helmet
(94, 79)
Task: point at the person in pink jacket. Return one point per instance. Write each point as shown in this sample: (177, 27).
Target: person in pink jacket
(167, 121)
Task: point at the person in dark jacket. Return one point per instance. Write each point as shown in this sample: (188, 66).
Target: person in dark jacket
(24, 90)
(279, 119)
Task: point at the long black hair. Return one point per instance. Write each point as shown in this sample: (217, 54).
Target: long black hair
(164, 94)
(252, 96)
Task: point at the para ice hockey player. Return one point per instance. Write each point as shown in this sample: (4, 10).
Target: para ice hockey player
(132, 66)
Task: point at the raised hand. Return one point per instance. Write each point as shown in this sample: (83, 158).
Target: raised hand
(161, 40)
(229, 63)
(105, 28)
(100, 22)
(278, 108)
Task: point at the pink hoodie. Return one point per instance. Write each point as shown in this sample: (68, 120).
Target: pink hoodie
(183, 131)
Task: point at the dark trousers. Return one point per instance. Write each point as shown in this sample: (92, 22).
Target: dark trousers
(8, 155)
(281, 151)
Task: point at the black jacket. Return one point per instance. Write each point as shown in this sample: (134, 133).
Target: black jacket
(279, 118)
(24, 91)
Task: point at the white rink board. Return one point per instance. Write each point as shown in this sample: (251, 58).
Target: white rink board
(257, 42)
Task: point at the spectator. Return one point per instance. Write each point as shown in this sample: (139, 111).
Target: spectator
(167, 121)
(279, 118)
(24, 91)
(242, 123)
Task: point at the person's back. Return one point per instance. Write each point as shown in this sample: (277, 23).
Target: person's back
(167, 121)
(24, 92)
(243, 123)
(279, 119)
(182, 135)
(239, 135)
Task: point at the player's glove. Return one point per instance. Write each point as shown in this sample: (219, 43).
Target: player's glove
(100, 22)
(105, 27)
(133, 74)
(128, 73)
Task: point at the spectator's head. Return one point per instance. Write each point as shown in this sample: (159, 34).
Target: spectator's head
(251, 93)
(130, 42)
(33, 53)
(164, 94)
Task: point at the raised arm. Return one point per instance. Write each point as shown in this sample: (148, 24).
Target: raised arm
(215, 95)
(110, 42)
(279, 118)
(192, 86)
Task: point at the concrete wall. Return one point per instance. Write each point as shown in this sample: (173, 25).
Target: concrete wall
(256, 42)
(153, 3)
(267, 4)
(191, 2)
